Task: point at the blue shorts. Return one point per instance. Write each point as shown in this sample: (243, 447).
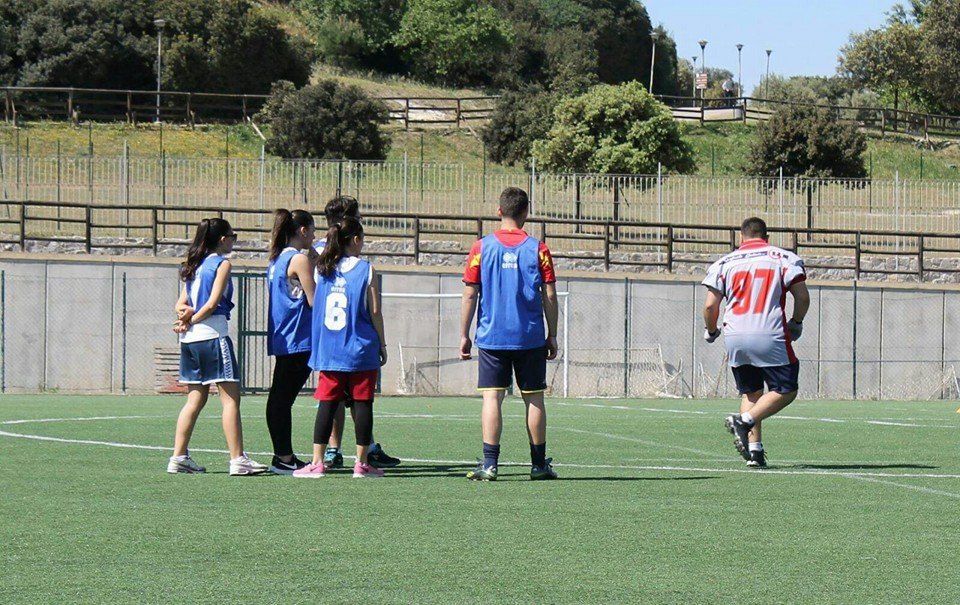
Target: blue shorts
(779, 379)
(497, 367)
(208, 361)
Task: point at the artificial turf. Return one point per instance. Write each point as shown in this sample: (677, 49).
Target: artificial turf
(653, 505)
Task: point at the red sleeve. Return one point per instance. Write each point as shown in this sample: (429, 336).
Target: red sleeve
(471, 275)
(546, 265)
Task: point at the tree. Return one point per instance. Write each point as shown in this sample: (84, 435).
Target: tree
(327, 120)
(452, 41)
(228, 46)
(520, 118)
(941, 48)
(885, 60)
(356, 33)
(614, 130)
(807, 141)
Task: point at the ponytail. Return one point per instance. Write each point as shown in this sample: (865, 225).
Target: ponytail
(286, 224)
(209, 233)
(338, 236)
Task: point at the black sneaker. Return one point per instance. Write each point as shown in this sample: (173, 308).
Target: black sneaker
(739, 430)
(279, 467)
(543, 473)
(757, 459)
(377, 458)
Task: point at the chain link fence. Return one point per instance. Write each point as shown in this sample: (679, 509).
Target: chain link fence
(437, 188)
(105, 327)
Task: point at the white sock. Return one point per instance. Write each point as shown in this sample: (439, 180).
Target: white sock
(747, 418)
(180, 458)
(756, 446)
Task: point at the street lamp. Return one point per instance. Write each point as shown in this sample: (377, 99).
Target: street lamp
(160, 23)
(766, 79)
(703, 59)
(693, 91)
(739, 72)
(655, 35)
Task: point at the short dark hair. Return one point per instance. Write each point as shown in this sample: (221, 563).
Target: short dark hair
(754, 228)
(514, 202)
(339, 207)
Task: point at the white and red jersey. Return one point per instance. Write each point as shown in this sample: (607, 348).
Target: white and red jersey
(754, 280)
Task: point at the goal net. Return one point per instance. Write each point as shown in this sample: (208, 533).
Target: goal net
(426, 357)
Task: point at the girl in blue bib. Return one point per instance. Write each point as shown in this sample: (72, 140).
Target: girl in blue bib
(291, 287)
(206, 351)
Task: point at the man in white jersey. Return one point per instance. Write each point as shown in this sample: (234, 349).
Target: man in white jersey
(754, 279)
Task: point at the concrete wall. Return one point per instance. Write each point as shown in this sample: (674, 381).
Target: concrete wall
(82, 325)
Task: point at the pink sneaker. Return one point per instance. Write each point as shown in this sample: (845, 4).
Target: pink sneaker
(365, 471)
(311, 471)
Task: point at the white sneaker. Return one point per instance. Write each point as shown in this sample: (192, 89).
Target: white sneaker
(184, 464)
(245, 466)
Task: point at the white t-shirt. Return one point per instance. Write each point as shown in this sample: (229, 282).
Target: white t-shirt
(754, 280)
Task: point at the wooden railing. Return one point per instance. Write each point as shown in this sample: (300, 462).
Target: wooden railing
(75, 104)
(422, 237)
(737, 109)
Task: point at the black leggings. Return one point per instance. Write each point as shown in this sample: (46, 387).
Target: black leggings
(289, 375)
(362, 421)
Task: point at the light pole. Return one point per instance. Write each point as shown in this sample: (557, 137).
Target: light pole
(703, 60)
(654, 35)
(160, 23)
(739, 72)
(766, 79)
(693, 91)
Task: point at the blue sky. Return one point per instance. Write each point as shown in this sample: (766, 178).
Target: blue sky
(805, 35)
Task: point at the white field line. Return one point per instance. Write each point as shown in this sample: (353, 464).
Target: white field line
(623, 467)
(917, 488)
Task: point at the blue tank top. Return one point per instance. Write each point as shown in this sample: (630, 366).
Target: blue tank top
(289, 315)
(510, 315)
(344, 339)
(199, 288)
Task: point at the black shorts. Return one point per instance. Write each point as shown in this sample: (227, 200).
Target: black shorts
(779, 379)
(529, 365)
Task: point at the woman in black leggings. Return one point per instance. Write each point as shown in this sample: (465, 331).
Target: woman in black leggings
(291, 286)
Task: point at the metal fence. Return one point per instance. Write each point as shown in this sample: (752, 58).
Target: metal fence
(451, 189)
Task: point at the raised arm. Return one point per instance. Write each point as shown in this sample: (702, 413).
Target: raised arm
(302, 267)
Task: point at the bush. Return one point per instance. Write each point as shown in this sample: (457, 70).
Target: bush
(519, 119)
(614, 130)
(328, 120)
(808, 141)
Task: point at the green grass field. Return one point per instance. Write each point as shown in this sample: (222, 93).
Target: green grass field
(653, 506)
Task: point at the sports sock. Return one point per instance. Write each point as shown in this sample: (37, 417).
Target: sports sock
(747, 419)
(756, 446)
(538, 454)
(491, 455)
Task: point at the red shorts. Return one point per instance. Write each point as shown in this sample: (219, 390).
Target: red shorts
(336, 386)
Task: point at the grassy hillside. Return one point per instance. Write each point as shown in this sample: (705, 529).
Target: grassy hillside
(720, 149)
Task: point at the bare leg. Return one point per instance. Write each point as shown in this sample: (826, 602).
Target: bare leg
(771, 403)
(746, 405)
(362, 451)
(536, 418)
(232, 427)
(491, 420)
(196, 398)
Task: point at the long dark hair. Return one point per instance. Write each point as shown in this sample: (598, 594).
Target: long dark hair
(338, 236)
(339, 207)
(209, 233)
(286, 224)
